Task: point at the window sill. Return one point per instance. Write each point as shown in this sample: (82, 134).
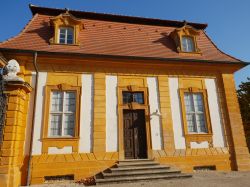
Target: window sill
(199, 138)
(64, 44)
(60, 138)
(60, 143)
(190, 53)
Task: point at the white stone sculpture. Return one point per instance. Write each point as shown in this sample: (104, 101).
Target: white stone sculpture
(12, 68)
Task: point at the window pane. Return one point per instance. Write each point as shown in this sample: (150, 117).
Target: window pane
(70, 31)
(70, 37)
(62, 35)
(187, 44)
(62, 40)
(69, 125)
(190, 44)
(70, 102)
(55, 125)
(69, 41)
(62, 31)
(66, 35)
(127, 97)
(184, 44)
(200, 121)
(57, 100)
(198, 102)
(138, 97)
(188, 102)
(191, 123)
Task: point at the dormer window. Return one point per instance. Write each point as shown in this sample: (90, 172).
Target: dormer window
(185, 39)
(66, 35)
(66, 29)
(187, 44)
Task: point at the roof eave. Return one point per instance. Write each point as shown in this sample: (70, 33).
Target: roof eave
(86, 55)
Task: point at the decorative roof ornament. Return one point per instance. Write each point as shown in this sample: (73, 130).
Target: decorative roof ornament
(65, 19)
(12, 69)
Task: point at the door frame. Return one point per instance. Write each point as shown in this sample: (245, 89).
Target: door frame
(133, 106)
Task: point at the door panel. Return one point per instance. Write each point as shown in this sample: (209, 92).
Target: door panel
(128, 135)
(135, 141)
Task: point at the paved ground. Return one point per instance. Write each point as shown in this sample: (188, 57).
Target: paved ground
(202, 179)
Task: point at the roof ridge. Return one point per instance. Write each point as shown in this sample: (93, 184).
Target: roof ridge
(21, 32)
(34, 9)
(220, 49)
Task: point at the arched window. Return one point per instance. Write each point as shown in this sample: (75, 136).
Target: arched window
(66, 35)
(187, 44)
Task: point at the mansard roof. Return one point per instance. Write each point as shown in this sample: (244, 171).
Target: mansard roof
(116, 35)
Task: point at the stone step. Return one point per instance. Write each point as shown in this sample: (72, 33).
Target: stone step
(129, 169)
(141, 178)
(135, 160)
(125, 174)
(135, 164)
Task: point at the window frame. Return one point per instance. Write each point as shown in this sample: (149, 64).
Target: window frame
(66, 35)
(194, 113)
(66, 20)
(62, 113)
(48, 99)
(196, 137)
(132, 88)
(193, 41)
(133, 94)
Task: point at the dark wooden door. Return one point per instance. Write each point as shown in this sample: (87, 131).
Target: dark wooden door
(135, 140)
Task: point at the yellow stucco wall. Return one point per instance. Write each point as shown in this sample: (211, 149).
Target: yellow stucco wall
(83, 165)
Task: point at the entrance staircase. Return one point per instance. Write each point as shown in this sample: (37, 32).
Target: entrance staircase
(138, 170)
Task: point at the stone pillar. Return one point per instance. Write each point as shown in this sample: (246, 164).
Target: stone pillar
(12, 145)
(234, 121)
(12, 153)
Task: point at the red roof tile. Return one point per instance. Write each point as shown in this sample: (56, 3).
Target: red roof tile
(109, 37)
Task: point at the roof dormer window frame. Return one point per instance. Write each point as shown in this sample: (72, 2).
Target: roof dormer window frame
(187, 44)
(66, 37)
(188, 32)
(68, 21)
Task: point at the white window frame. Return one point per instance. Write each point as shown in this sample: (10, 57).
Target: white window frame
(66, 35)
(194, 113)
(63, 113)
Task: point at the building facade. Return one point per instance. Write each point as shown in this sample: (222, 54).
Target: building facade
(97, 88)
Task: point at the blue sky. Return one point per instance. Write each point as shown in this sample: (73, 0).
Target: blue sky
(228, 20)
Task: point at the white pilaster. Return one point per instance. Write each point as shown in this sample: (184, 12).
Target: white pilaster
(215, 115)
(39, 113)
(179, 138)
(86, 114)
(155, 124)
(111, 114)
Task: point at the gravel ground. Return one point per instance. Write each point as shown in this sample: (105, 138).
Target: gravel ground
(203, 179)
